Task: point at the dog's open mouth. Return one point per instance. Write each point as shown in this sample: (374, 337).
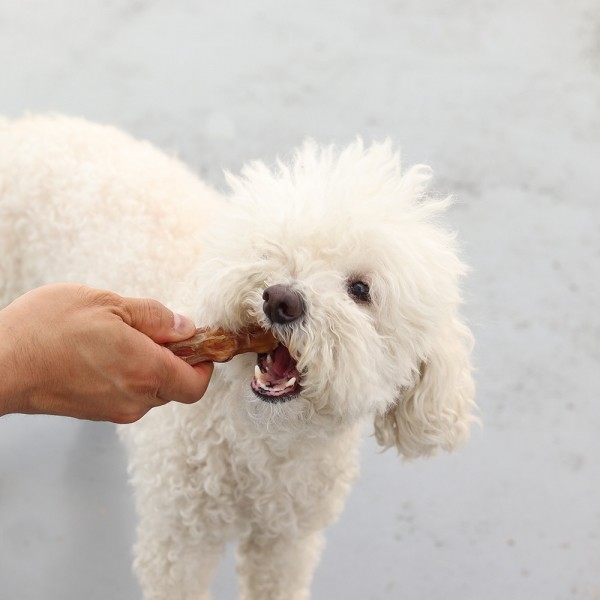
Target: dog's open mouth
(276, 376)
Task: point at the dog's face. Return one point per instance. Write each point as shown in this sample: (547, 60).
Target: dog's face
(339, 256)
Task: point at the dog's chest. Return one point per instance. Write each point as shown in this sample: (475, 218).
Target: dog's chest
(267, 481)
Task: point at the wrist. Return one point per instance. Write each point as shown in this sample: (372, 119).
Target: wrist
(13, 398)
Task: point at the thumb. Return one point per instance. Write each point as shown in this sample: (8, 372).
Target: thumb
(156, 320)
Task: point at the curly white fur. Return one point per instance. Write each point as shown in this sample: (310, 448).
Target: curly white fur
(82, 202)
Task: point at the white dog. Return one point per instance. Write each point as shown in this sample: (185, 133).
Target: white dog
(338, 253)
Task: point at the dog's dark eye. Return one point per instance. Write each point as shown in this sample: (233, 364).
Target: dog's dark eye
(359, 290)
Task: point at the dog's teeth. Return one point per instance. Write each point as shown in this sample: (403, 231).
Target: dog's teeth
(291, 382)
(257, 372)
(269, 359)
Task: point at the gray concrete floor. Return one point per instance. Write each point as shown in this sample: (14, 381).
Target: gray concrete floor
(502, 98)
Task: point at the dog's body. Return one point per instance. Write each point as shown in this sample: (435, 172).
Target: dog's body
(364, 296)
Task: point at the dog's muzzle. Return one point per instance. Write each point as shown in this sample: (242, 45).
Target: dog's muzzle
(276, 375)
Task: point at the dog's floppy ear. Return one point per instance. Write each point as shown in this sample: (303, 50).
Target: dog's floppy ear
(436, 411)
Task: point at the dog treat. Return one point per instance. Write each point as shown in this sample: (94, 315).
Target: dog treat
(218, 345)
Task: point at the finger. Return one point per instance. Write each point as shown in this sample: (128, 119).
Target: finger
(156, 320)
(181, 382)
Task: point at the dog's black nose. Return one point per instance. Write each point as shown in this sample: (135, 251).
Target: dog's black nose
(282, 304)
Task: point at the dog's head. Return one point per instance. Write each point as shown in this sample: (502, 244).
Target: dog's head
(341, 255)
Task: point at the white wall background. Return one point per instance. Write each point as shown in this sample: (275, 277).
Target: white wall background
(502, 98)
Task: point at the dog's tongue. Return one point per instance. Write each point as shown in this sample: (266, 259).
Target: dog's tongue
(283, 363)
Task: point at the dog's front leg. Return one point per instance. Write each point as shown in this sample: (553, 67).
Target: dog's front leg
(175, 567)
(278, 569)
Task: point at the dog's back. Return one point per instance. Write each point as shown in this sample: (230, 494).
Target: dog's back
(87, 203)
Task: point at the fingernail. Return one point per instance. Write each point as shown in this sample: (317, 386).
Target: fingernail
(183, 325)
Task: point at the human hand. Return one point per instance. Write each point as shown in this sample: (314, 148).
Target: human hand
(76, 351)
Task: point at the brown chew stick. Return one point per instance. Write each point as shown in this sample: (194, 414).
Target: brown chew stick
(218, 345)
